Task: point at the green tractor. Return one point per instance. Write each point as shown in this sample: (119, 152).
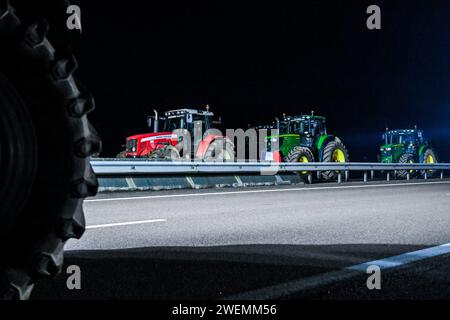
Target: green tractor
(407, 146)
(304, 138)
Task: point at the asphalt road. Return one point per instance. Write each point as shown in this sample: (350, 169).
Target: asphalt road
(267, 242)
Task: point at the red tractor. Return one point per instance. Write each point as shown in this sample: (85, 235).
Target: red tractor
(187, 134)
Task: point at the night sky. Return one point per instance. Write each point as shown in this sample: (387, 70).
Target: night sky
(255, 61)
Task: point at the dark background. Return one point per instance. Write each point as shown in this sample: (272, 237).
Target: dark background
(253, 61)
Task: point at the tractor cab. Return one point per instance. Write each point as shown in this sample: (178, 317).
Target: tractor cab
(303, 130)
(187, 119)
(408, 136)
(306, 126)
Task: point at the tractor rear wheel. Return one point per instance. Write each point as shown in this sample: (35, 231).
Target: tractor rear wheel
(405, 158)
(46, 142)
(334, 151)
(300, 154)
(220, 150)
(428, 157)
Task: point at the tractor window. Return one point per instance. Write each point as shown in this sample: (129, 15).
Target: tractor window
(284, 128)
(302, 127)
(172, 124)
(316, 127)
(409, 139)
(205, 121)
(390, 139)
(299, 127)
(196, 118)
(402, 138)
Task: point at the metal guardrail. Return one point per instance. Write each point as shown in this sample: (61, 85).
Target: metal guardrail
(103, 166)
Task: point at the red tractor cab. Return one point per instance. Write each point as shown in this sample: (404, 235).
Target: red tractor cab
(206, 143)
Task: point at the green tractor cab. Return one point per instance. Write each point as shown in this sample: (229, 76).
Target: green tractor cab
(304, 138)
(407, 146)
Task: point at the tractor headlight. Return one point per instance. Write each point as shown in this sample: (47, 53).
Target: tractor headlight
(274, 140)
(133, 149)
(381, 149)
(388, 149)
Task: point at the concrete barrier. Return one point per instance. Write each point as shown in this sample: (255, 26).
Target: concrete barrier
(173, 182)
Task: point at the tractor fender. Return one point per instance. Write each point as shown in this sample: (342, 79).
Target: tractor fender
(322, 142)
(422, 149)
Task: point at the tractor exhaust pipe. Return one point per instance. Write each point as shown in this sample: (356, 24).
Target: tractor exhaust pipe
(277, 123)
(155, 127)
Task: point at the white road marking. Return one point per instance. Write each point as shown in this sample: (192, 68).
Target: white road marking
(124, 223)
(301, 285)
(266, 191)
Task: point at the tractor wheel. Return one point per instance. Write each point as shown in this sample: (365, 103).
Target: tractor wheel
(121, 155)
(45, 145)
(300, 154)
(166, 153)
(428, 157)
(334, 151)
(405, 158)
(220, 151)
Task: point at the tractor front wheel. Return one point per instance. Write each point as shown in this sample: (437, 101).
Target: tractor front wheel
(300, 154)
(428, 157)
(166, 153)
(405, 158)
(334, 151)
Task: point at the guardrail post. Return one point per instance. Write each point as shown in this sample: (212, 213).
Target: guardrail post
(319, 175)
(372, 174)
(365, 176)
(395, 174)
(339, 177)
(309, 178)
(408, 176)
(388, 176)
(442, 174)
(425, 176)
(346, 176)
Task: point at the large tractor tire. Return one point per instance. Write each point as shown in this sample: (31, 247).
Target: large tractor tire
(405, 158)
(45, 146)
(334, 151)
(166, 153)
(220, 150)
(428, 157)
(300, 154)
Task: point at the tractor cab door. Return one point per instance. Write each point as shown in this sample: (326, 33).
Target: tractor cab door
(318, 128)
(197, 125)
(304, 130)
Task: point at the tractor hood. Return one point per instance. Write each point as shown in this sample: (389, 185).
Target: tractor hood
(153, 136)
(389, 147)
(280, 136)
(390, 152)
